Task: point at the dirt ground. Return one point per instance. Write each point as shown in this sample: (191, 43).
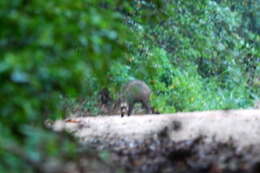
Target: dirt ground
(210, 141)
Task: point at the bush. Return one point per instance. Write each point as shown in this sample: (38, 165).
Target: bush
(50, 49)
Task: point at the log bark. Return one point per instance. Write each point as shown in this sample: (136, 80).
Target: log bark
(242, 126)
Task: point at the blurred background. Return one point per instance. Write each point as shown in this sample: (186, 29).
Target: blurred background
(60, 57)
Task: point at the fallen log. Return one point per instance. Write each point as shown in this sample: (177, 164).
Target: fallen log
(241, 126)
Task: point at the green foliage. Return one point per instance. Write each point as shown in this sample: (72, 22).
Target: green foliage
(80, 106)
(50, 49)
(194, 56)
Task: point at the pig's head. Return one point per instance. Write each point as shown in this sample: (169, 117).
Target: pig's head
(124, 108)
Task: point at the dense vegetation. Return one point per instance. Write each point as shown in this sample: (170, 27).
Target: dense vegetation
(194, 56)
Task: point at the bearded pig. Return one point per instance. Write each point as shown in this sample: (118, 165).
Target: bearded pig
(134, 91)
